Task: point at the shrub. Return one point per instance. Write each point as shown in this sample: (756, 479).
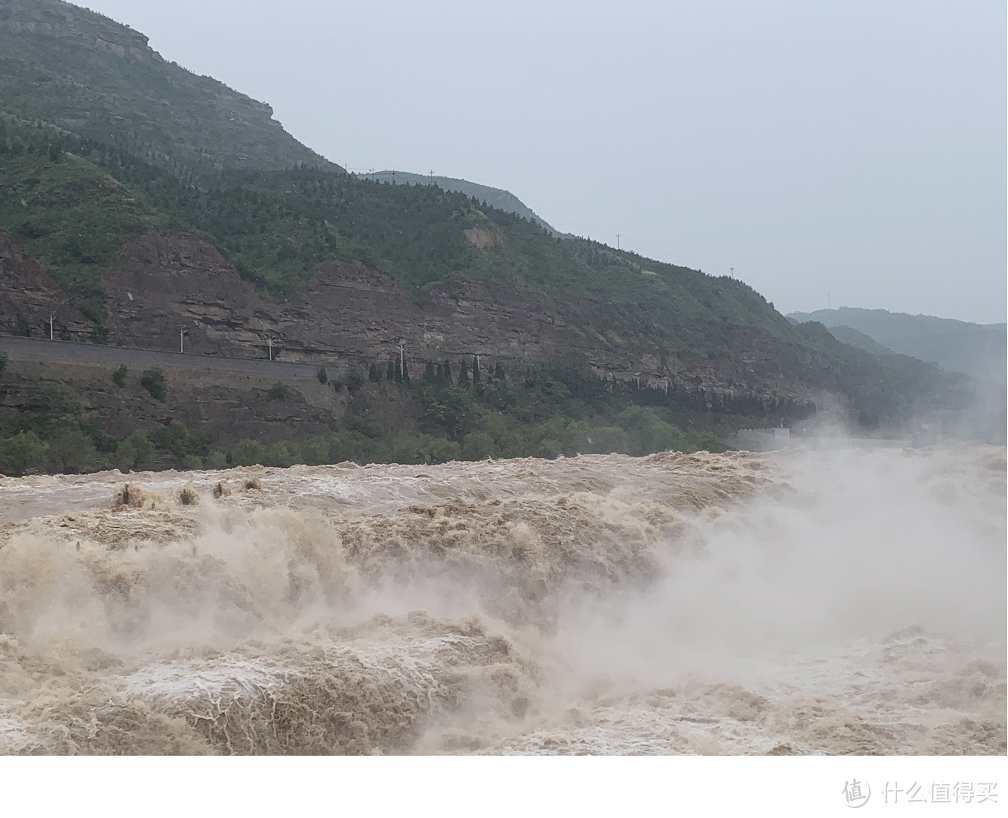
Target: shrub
(134, 451)
(353, 380)
(248, 453)
(283, 454)
(315, 451)
(322, 376)
(180, 440)
(153, 380)
(4, 358)
(119, 376)
(215, 460)
(281, 391)
(24, 453)
(477, 446)
(72, 452)
(550, 448)
(21, 326)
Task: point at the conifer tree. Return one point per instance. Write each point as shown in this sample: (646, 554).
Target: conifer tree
(499, 371)
(447, 372)
(374, 374)
(429, 370)
(463, 380)
(475, 370)
(391, 374)
(405, 373)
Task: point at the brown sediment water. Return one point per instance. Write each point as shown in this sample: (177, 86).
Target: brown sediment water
(840, 601)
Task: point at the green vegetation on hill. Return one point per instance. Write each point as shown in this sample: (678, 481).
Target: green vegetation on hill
(494, 197)
(561, 408)
(88, 74)
(69, 215)
(278, 226)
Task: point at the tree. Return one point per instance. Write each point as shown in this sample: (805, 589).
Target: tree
(499, 372)
(323, 377)
(391, 374)
(153, 380)
(447, 372)
(119, 376)
(477, 446)
(463, 379)
(405, 373)
(475, 370)
(374, 374)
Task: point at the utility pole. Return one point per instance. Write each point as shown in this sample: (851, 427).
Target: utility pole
(432, 177)
(269, 341)
(52, 315)
(181, 338)
(402, 357)
(617, 241)
(732, 270)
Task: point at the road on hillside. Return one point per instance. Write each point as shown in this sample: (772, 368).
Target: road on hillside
(37, 349)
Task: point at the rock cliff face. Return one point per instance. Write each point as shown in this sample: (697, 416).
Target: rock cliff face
(348, 312)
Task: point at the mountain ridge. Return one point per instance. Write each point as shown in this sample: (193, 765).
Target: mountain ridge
(978, 350)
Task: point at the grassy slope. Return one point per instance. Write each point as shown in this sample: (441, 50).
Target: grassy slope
(82, 71)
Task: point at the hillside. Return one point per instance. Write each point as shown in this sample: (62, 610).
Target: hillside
(93, 76)
(128, 237)
(277, 228)
(849, 335)
(957, 346)
(493, 196)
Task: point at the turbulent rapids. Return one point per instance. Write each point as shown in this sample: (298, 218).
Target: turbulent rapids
(833, 601)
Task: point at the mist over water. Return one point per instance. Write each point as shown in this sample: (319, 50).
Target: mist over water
(804, 601)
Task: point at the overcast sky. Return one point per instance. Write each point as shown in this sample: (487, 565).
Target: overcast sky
(849, 153)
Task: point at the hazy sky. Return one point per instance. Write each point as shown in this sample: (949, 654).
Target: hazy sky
(851, 153)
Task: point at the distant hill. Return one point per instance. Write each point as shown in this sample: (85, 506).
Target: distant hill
(957, 346)
(98, 78)
(851, 336)
(495, 197)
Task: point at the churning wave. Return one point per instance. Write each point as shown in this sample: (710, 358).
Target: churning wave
(841, 601)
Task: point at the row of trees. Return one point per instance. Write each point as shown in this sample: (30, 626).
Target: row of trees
(435, 372)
